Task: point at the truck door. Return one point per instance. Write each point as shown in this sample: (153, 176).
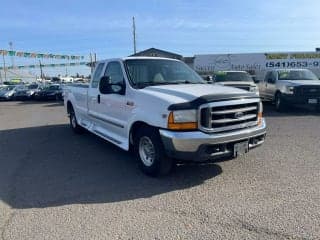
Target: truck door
(112, 105)
(270, 85)
(93, 92)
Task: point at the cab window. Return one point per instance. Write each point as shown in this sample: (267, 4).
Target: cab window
(96, 76)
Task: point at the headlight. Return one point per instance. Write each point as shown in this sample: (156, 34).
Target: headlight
(183, 120)
(289, 89)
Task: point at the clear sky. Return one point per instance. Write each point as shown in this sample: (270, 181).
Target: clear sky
(181, 26)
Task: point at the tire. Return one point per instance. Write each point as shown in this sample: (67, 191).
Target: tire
(150, 153)
(76, 128)
(279, 102)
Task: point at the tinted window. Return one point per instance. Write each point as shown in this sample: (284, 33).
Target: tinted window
(270, 77)
(114, 71)
(33, 86)
(96, 76)
(296, 75)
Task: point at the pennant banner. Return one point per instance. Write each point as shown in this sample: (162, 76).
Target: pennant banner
(38, 55)
(46, 65)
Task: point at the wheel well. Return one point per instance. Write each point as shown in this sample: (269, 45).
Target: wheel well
(69, 107)
(134, 128)
(277, 92)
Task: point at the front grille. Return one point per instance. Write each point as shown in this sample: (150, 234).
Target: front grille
(229, 115)
(307, 91)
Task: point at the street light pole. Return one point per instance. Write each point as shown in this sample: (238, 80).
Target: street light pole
(12, 57)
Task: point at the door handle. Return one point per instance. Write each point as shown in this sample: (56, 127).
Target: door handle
(98, 98)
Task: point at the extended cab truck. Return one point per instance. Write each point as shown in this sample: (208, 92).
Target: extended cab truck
(165, 111)
(238, 79)
(290, 86)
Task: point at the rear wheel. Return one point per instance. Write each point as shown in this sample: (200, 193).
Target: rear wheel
(150, 152)
(74, 123)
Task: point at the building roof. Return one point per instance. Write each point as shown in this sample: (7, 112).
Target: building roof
(154, 52)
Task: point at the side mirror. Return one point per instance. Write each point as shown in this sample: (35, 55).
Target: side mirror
(107, 87)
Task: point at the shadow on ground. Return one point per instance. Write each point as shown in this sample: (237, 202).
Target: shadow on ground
(269, 110)
(50, 103)
(50, 166)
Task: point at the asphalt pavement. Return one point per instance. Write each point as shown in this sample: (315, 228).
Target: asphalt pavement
(58, 185)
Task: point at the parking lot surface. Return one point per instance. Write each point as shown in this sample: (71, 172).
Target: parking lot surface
(58, 185)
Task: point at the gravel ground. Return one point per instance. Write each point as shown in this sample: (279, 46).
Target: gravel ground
(57, 185)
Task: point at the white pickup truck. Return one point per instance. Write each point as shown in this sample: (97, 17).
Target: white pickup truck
(290, 86)
(165, 112)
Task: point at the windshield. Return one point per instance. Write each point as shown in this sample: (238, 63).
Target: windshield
(54, 87)
(146, 72)
(8, 88)
(233, 77)
(296, 75)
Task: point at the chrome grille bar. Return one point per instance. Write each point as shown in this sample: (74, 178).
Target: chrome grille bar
(246, 109)
(231, 120)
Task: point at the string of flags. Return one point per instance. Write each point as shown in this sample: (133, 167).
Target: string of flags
(45, 65)
(38, 55)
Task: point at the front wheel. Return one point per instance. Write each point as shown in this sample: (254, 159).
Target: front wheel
(150, 152)
(280, 105)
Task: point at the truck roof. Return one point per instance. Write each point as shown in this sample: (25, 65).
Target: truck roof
(290, 69)
(137, 58)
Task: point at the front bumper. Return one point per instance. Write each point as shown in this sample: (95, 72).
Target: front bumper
(297, 99)
(199, 146)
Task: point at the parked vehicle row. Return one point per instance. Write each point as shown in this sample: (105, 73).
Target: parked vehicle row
(32, 91)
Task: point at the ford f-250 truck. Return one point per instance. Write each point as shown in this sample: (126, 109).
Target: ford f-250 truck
(290, 86)
(164, 111)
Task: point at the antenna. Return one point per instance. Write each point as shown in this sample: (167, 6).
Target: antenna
(134, 36)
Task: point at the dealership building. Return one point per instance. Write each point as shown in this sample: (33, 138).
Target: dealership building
(254, 63)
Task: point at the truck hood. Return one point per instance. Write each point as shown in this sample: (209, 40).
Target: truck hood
(189, 92)
(300, 82)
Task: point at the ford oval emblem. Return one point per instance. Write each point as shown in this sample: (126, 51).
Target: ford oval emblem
(239, 115)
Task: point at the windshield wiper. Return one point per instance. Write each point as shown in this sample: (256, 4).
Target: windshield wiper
(186, 82)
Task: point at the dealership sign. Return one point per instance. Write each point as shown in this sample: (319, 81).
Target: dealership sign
(256, 61)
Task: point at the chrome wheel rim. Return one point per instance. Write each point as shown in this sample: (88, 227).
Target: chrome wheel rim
(73, 121)
(146, 151)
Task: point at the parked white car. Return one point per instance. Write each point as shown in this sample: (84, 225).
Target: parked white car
(164, 111)
(237, 79)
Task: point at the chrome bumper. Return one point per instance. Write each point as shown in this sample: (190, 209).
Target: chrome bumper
(200, 146)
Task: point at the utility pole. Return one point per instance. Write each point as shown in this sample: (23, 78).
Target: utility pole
(134, 36)
(41, 73)
(12, 57)
(4, 67)
(91, 63)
